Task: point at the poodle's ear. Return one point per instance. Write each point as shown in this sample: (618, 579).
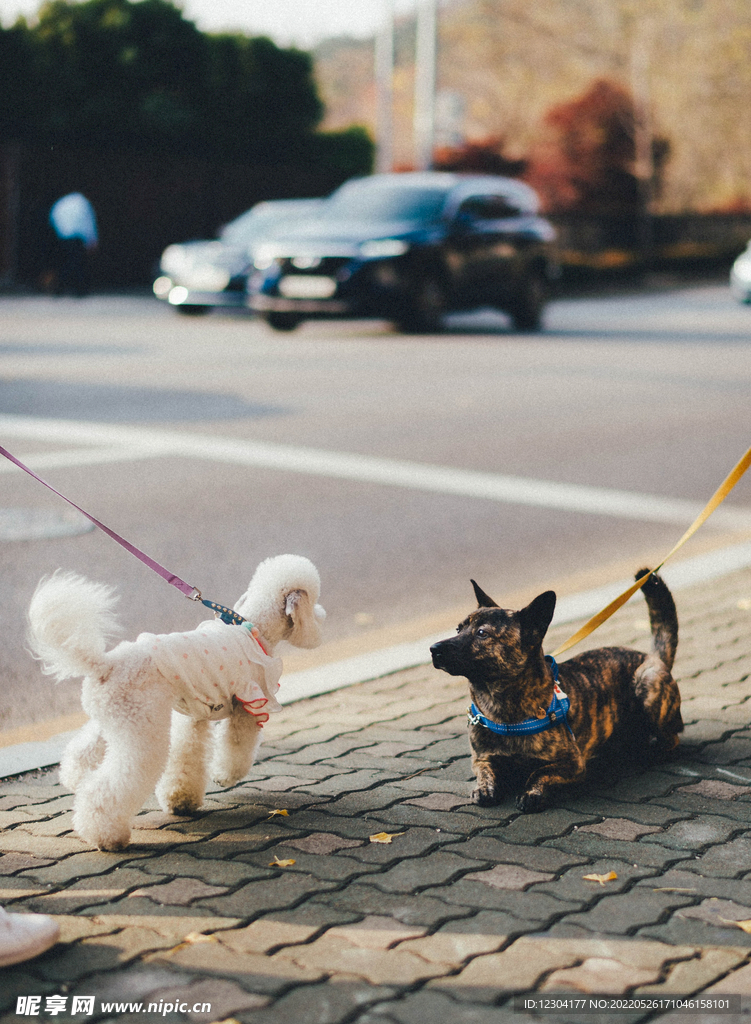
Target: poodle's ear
(305, 618)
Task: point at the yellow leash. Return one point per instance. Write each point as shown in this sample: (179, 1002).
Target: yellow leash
(717, 499)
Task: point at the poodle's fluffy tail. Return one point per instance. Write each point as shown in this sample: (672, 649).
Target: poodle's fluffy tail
(70, 621)
(663, 617)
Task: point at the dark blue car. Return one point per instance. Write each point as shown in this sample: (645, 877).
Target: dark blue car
(409, 248)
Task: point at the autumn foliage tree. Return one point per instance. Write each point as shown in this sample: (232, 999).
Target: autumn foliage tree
(587, 163)
(485, 156)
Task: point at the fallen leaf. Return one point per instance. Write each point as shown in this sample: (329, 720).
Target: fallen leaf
(602, 879)
(744, 925)
(276, 863)
(283, 814)
(384, 837)
(190, 940)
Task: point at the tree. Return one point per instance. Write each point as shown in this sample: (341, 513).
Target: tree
(587, 164)
(121, 74)
(480, 157)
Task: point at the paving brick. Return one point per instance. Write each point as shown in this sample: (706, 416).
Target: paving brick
(419, 873)
(366, 899)
(405, 814)
(90, 891)
(601, 975)
(620, 828)
(635, 788)
(689, 976)
(222, 996)
(574, 888)
(735, 810)
(714, 789)
(624, 913)
(334, 953)
(589, 845)
(10, 863)
(727, 751)
(701, 885)
(532, 828)
(323, 843)
(334, 867)
(237, 844)
(317, 819)
(696, 833)
(264, 895)
(180, 892)
(322, 1004)
(213, 872)
(284, 928)
(451, 948)
(360, 801)
(439, 801)
(133, 939)
(429, 1006)
(529, 906)
(538, 858)
(267, 975)
(413, 842)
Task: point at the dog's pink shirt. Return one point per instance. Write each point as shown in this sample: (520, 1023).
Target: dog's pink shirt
(210, 665)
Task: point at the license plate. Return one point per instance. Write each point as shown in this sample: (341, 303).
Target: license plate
(307, 286)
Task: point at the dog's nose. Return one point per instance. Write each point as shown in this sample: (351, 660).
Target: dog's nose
(436, 653)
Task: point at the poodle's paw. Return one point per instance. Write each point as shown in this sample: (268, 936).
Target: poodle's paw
(109, 836)
(224, 778)
(180, 800)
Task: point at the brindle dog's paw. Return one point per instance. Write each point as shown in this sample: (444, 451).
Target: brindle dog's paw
(531, 802)
(484, 797)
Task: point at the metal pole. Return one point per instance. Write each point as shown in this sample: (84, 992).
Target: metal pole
(384, 75)
(643, 154)
(425, 81)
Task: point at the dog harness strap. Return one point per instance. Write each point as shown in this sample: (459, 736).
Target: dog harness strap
(557, 712)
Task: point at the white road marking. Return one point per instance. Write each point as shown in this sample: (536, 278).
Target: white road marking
(114, 443)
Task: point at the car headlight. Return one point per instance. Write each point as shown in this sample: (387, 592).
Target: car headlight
(379, 248)
(174, 260)
(263, 257)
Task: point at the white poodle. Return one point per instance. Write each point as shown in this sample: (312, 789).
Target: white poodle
(216, 672)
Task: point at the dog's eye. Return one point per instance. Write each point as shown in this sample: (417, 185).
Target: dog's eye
(481, 633)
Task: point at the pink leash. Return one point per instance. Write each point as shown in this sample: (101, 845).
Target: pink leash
(227, 615)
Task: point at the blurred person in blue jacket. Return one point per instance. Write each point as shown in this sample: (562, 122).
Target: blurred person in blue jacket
(73, 220)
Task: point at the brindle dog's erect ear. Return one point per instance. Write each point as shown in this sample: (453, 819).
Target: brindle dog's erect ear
(536, 617)
(483, 601)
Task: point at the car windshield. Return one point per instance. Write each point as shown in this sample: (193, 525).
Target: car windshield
(363, 202)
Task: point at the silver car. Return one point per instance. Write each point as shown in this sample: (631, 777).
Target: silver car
(740, 276)
(196, 276)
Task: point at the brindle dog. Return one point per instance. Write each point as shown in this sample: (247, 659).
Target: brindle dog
(614, 692)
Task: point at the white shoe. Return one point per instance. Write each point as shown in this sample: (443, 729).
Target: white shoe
(24, 936)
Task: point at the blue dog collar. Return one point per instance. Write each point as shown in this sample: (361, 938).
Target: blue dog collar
(556, 713)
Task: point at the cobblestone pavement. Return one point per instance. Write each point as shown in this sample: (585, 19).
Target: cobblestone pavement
(272, 904)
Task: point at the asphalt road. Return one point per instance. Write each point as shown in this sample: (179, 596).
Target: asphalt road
(566, 459)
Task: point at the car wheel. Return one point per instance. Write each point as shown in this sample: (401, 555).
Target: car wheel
(188, 310)
(282, 321)
(526, 312)
(425, 307)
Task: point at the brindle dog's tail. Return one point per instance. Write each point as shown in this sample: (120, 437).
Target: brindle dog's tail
(663, 617)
